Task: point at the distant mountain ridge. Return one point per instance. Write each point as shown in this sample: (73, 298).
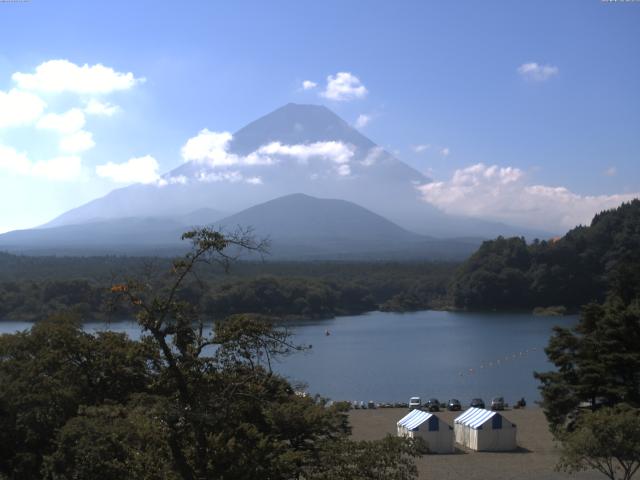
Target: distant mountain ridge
(376, 180)
(299, 226)
(302, 216)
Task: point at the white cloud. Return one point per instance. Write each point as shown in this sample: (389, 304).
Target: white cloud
(135, 170)
(362, 120)
(231, 176)
(79, 141)
(254, 180)
(65, 76)
(420, 148)
(308, 85)
(373, 155)
(167, 180)
(96, 107)
(611, 172)
(536, 72)
(343, 170)
(503, 194)
(210, 148)
(59, 168)
(344, 86)
(14, 161)
(68, 122)
(19, 108)
(336, 152)
(444, 151)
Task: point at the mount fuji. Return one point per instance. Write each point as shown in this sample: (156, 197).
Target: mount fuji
(295, 149)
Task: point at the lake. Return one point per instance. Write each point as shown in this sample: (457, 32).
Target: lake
(389, 357)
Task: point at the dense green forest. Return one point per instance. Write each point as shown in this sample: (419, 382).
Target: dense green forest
(34, 287)
(570, 271)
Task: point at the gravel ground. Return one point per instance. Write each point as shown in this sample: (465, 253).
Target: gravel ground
(534, 459)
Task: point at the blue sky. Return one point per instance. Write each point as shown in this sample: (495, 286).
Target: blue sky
(449, 76)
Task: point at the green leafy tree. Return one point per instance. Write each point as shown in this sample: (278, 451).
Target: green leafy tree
(47, 373)
(112, 442)
(226, 413)
(571, 271)
(597, 362)
(388, 459)
(607, 441)
(187, 402)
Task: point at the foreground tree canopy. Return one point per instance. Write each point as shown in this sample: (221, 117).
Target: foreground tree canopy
(592, 399)
(607, 440)
(178, 404)
(597, 363)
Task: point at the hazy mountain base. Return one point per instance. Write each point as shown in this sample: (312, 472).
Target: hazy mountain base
(299, 227)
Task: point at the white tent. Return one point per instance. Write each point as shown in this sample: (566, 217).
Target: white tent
(484, 430)
(437, 434)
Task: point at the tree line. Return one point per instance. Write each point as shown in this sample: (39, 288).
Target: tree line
(285, 290)
(580, 267)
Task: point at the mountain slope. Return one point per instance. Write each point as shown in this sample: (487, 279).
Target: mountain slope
(302, 216)
(299, 227)
(133, 235)
(291, 125)
(303, 227)
(367, 175)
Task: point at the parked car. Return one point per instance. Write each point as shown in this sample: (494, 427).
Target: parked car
(433, 405)
(454, 405)
(497, 403)
(477, 403)
(415, 402)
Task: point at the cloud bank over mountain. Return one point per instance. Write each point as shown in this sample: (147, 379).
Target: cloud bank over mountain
(504, 194)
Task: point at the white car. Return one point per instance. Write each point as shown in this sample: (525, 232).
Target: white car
(414, 402)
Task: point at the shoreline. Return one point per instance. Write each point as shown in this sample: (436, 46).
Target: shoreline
(535, 458)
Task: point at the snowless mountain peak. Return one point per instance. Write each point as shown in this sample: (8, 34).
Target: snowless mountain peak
(294, 149)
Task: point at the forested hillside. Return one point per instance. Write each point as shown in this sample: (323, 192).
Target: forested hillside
(570, 271)
(32, 288)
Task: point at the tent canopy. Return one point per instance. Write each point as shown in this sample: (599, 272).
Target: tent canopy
(476, 417)
(414, 419)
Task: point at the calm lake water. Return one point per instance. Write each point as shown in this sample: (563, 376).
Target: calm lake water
(390, 357)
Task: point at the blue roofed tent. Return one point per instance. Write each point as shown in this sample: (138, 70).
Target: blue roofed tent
(437, 434)
(484, 430)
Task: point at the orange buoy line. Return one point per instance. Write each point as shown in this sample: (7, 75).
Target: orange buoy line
(497, 362)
